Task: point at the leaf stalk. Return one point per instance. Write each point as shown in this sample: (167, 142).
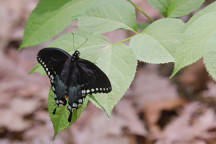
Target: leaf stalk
(141, 11)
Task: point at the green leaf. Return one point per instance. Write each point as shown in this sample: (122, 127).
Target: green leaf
(147, 49)
(142, 26)
(176, 8)
(96, 103)
(108, 15)
(158, 42)
(185, 43)
(91, 43)
(161, 5)
(179, 8)
(51, 17)
(168, 32)
(210, 56)
(206, 10)
(117, 61)
(38, 69)
(60, 119)
(195, 37)
(35, 68)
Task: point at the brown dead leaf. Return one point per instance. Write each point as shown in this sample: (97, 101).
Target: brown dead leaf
(5, 99)
(38, 134)
(194, 78)
(127, 112)
(150, 88)
(42, 116)
(13, 15)
(211, 91)
(23, 106)
(152, 94)
(153, 111)
(5, 27)
(193, 123)
(12, 121)
(98, 129)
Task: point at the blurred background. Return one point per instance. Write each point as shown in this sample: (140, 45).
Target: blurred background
(154, 110)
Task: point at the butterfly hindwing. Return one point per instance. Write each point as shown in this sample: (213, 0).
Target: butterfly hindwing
(95, 79)
(86, 78)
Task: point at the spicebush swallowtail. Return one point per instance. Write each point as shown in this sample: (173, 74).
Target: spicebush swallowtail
(71, 77)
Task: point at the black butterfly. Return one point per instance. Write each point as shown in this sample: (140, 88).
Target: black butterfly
(72, 76)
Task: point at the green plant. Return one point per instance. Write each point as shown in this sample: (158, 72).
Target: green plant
(168, 39)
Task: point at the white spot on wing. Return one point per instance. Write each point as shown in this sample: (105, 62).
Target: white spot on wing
(88, 91)
(80, 101)
(74, 105)
(51, 76)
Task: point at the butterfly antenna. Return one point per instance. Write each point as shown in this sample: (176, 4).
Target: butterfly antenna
(83, 43)
(73, 40)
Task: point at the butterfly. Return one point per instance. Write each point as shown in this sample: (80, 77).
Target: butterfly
(72, 78)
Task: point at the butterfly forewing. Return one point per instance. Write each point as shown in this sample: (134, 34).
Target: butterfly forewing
(52, 60)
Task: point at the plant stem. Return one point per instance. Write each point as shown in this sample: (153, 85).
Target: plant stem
(124, 40)
(140, 10)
